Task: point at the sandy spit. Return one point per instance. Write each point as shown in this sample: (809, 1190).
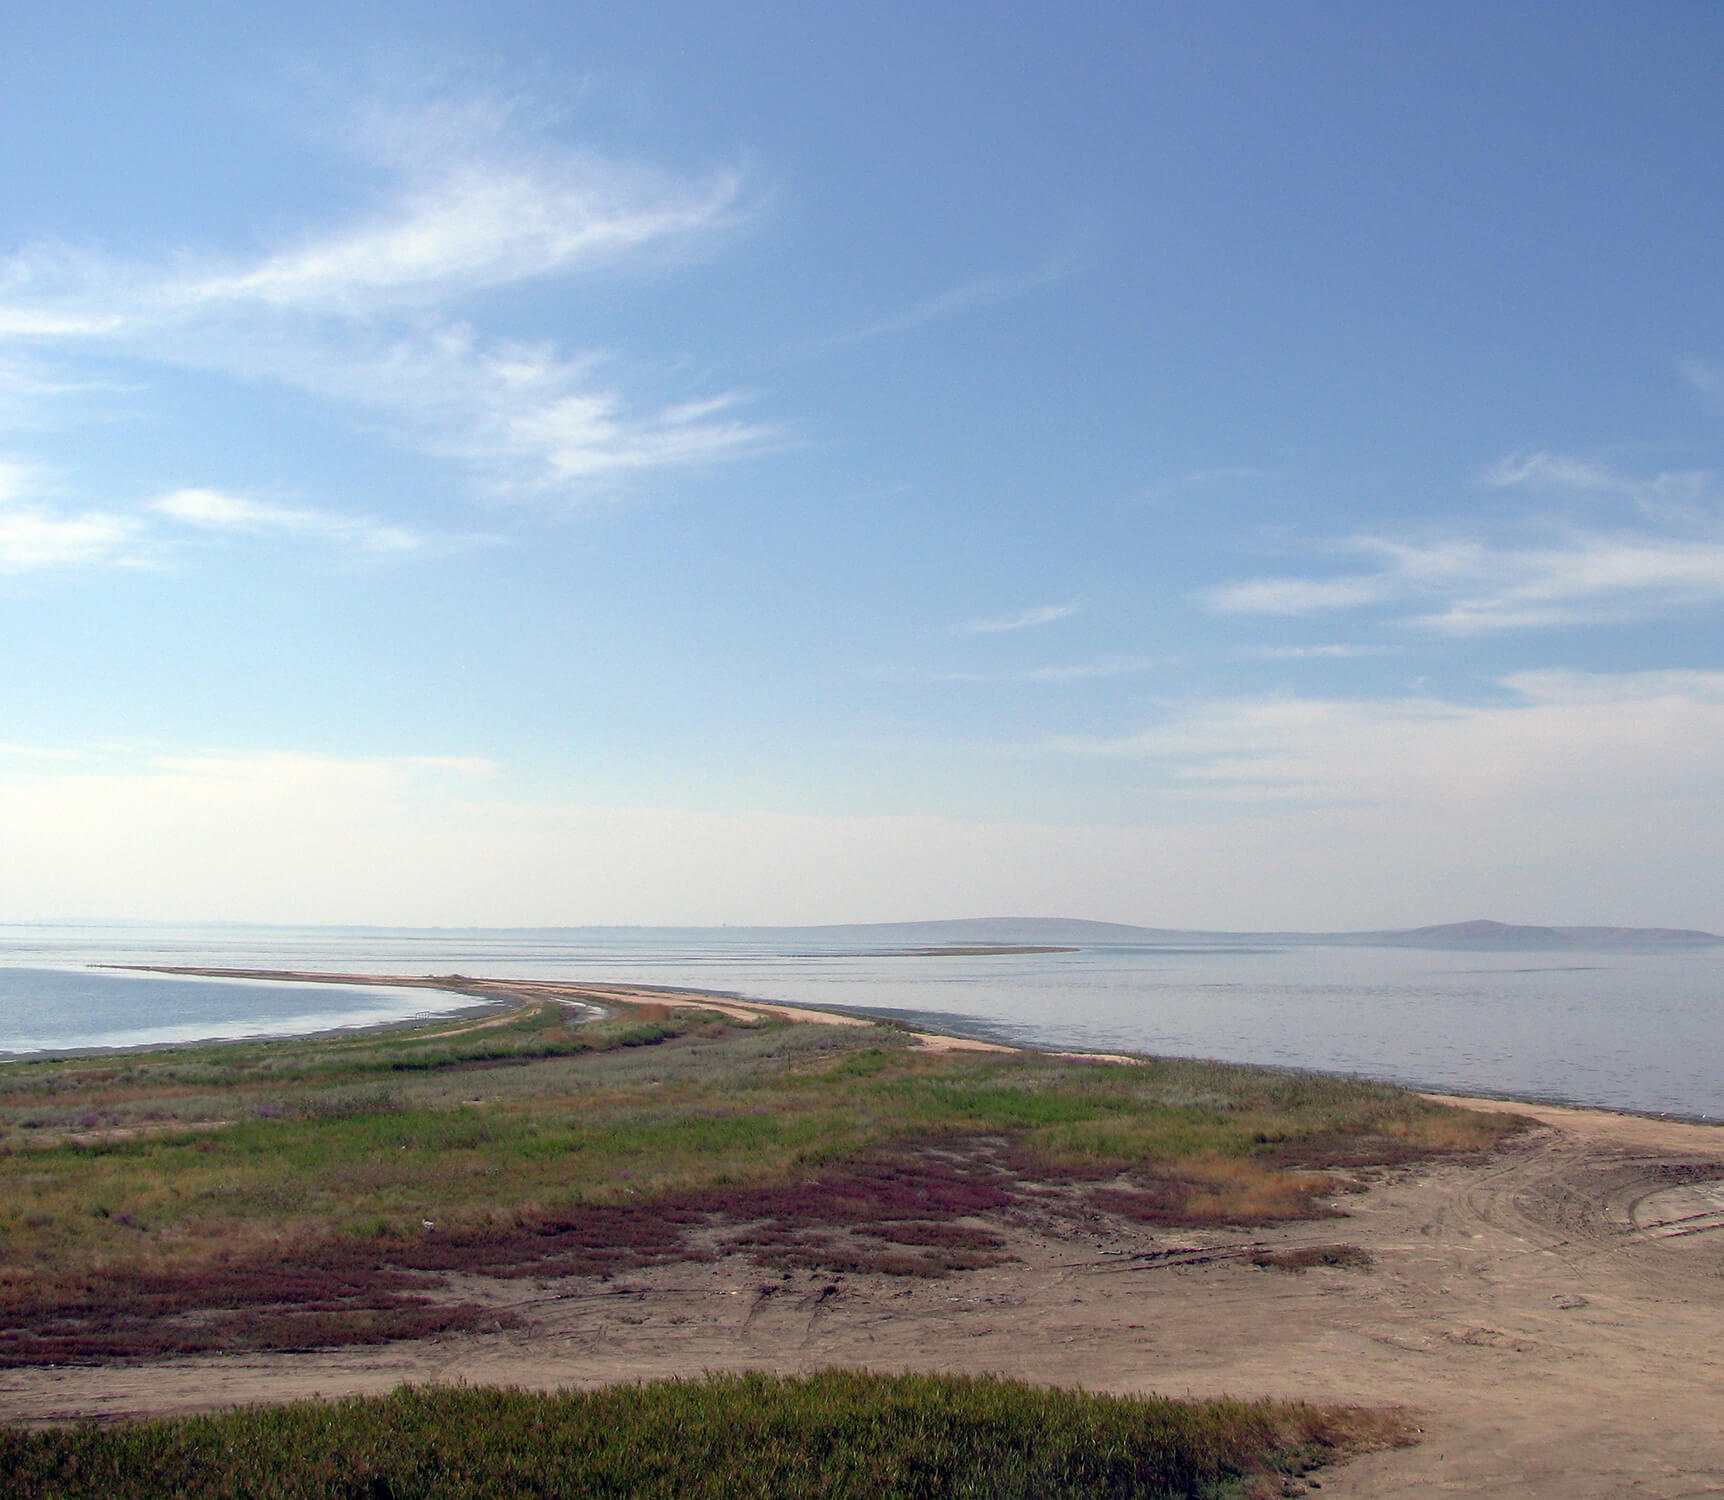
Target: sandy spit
(1553, 1316)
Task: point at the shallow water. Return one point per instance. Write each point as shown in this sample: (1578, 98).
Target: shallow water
(1618, 1030)
(44, 1010)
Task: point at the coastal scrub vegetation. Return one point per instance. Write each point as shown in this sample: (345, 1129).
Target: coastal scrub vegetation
(833, 1435)
(333, 1190)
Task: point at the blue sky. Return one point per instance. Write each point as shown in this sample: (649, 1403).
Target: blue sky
(1223, 465)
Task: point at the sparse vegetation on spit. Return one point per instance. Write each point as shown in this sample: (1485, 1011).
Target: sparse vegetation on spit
(363, 1188)
(325, 1191)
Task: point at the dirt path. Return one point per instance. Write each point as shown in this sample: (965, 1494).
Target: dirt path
(738, 1010)
(1555, 1316)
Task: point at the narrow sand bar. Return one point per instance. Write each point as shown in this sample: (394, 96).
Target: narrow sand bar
(1554, 1316)
(598, 996)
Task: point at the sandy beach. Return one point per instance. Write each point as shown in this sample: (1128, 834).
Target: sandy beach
(1553, 1316)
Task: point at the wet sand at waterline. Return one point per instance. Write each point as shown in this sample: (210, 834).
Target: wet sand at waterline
(1554, 1317)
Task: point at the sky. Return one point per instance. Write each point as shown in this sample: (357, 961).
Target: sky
(1203, 465)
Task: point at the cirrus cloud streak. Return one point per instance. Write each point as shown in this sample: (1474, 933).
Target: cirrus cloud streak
(375, 317)
(1669, 557)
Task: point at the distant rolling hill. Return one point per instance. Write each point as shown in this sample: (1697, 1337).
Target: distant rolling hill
(1474, 936)
(1501, 937)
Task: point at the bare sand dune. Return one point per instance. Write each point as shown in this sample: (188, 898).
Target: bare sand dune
(1555, 1316)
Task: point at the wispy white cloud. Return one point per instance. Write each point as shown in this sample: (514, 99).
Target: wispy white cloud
(530, 420)
(984, 291)
(47, 323)
(1668, 495)
(1665, 555)
(1107, 666)
(32, 538)
(1562, 470)
(362, 315)
(1112, 666)
(1329, 651)
(1298, 596)
(37, 393)
(1543, 733)
(524, 419)
(1591, 580)
(214, 511)
(1471, 588)
(36, 535)
(475, 204)
(1044, 614)
(469, 227)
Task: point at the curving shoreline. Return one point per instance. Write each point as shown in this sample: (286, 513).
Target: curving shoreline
(597, 993)
(1550, 1314)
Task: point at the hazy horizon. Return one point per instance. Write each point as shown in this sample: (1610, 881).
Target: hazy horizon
(1224, 467)
(1477, 931)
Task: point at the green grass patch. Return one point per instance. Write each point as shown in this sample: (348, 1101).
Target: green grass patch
(834, 1435)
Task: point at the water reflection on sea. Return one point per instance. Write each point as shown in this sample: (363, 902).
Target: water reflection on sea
(1641, 1031)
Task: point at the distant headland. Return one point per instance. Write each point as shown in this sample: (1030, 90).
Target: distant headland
(978, 935)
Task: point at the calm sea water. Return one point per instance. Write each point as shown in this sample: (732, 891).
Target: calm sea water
(1623, 1031)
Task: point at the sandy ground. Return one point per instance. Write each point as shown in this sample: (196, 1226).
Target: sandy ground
(1554, 1317)
(753, 1010)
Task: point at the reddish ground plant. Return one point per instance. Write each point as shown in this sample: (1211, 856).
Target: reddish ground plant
(251, 1306)
(915, 1212)
(920, 1212)
(891, 1214)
